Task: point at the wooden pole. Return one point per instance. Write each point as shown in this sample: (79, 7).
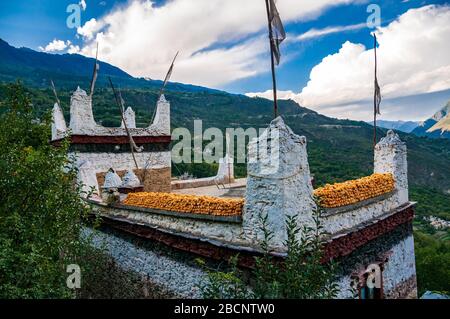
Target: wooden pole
(274, 81)
(375, 95)
(121, 108)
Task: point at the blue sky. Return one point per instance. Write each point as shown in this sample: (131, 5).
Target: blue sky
(225, 48)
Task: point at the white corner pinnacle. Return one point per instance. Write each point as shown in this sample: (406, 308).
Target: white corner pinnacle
(278, 183)
(59, 127)
(162, 99)
(225, 173)
(391, 157)
(161, 122)
(81, 115)
(130, 118)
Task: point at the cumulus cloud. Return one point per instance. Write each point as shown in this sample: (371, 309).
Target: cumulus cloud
(55, 46)
(413, 59)
(413, 62)
(220, 41)
(89, 29)
(72, 49)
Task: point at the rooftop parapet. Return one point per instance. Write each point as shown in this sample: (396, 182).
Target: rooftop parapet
(82, 120)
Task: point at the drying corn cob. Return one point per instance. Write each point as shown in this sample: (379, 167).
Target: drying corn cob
(187, 203)
(351, 192)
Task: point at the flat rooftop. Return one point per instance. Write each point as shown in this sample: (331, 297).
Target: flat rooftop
(233, 190)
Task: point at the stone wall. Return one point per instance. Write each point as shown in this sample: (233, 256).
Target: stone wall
(394, 251)
(172, 271)
(220, 233)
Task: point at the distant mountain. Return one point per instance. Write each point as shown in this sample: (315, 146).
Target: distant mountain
(438, 126)
(402, 126)
(36, 69)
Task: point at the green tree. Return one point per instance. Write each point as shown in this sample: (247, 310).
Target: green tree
(432, 262)
(40, 210)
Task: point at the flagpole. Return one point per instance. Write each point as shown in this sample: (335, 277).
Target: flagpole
(274, 81)
(122, 111)
(375, 95)
(169, 73)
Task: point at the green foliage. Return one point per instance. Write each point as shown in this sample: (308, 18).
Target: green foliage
(432, 263)
(302, 274)
(40, 210)
(431, 202)
(225, 284)
(432, 246)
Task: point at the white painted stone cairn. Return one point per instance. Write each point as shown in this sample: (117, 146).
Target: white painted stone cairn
(112, 180)
(110, 193)
(130, 180)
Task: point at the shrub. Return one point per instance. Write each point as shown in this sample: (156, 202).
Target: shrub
(302, 275)
(40, 209)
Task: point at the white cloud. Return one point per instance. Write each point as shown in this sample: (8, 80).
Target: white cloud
(73, 49)
(89, 29)
(281, 95)
(315, 33)
(55, 46)
(142, 39)
(83, 5)
(413, 59)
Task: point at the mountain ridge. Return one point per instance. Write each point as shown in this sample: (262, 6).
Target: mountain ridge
(402, 126)
(36, 69)
(437, 126)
